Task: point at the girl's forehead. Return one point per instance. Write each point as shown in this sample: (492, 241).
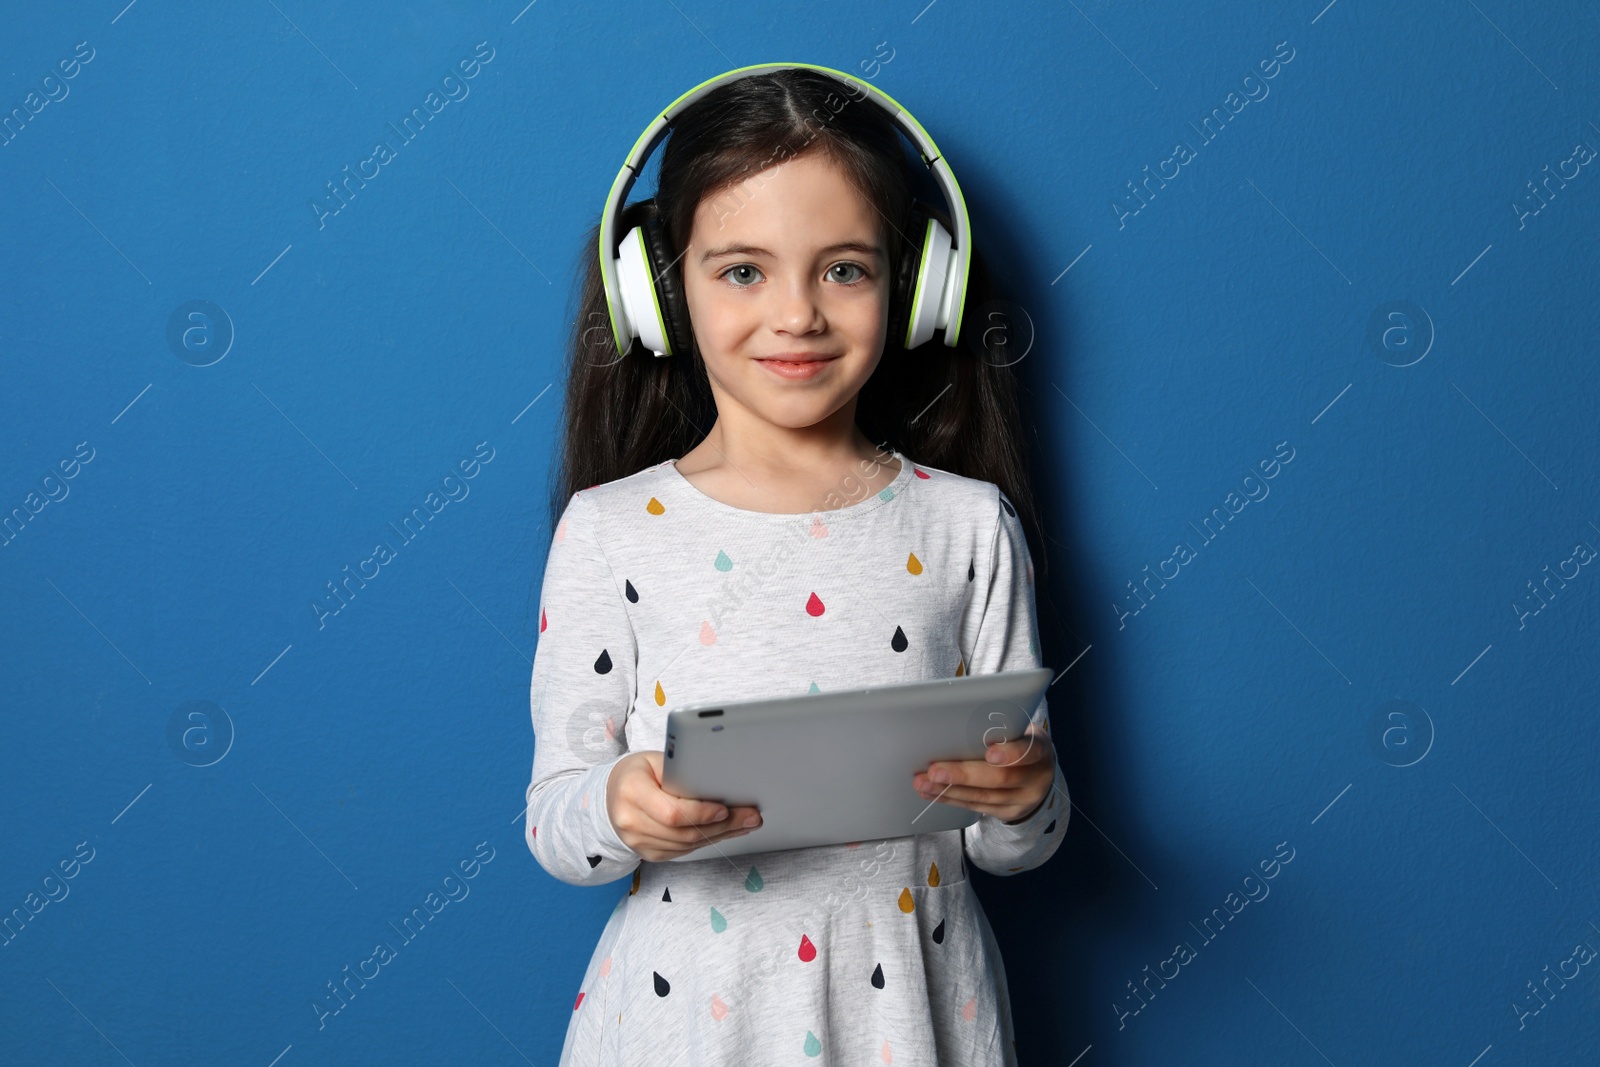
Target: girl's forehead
(804, 208)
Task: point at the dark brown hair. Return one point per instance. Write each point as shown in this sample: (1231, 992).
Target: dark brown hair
(951, 408)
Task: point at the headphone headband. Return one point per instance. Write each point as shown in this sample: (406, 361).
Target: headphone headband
(944, 267)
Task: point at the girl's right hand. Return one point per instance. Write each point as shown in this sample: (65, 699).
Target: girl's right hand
(660, 826)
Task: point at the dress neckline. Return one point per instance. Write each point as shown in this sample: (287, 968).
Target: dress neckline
(897, 486)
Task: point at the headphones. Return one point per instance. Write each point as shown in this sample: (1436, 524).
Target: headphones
(928, 287)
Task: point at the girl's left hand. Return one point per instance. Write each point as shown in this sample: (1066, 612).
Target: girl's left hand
(1010, 783)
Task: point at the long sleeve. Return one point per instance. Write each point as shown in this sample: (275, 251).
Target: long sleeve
(581, 694)
(1001, 628)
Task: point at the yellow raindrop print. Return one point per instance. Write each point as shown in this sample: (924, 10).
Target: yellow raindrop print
(661, 695)
(655, 507)
(907, 904)
(913, 564)
(933, 874)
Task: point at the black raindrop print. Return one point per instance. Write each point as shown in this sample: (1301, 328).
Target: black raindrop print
(663, 987)
(899, 642)
(603, 664)
(877, 977)
(594, 861)
(971, 573)
(938, 933)
(633, 594)
(1051, 828)
(666, 894)
(1007, 505)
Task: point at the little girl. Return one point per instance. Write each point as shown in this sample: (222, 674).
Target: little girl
(778, 551)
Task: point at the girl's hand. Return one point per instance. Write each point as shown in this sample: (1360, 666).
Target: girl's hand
(1010, 783)
(658, 825)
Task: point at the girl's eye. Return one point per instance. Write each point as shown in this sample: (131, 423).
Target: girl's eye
(743, 281)
(742, 266)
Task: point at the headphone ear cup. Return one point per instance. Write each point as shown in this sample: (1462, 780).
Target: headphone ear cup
(668, 289)
(906, 272)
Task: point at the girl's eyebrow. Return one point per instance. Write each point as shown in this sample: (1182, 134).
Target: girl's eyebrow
(751, 250)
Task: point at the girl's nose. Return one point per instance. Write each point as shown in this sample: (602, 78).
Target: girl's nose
(797, 309)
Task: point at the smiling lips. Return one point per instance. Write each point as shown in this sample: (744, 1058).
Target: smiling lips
(802, 366)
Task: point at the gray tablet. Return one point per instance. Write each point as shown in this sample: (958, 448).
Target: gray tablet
(828, 768)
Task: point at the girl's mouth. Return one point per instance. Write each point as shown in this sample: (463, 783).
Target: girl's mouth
(797, 371)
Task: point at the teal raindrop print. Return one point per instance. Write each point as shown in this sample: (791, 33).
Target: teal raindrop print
(886, 494)
(723, 564)
(753, 882)
(813, 1046)
(718, 923)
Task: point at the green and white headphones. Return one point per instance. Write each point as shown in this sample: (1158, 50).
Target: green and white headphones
(928, 287)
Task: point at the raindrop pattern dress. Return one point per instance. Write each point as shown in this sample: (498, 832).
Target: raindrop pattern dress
(656, 595)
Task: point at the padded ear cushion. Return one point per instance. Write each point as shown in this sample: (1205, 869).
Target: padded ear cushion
(904, 282)
(668, 289)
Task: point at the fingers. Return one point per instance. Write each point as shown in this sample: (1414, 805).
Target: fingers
(683, 838)
(679, 822)
(659, 825)
(994, 780)
(1004, 765)
(1000, 802)
(1034, 745)
(668, 810)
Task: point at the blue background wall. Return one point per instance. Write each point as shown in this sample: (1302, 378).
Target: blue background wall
(1352, 270)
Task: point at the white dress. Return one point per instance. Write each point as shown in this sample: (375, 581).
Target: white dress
(656, 595)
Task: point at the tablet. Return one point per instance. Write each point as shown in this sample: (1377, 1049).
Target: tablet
(830, 768)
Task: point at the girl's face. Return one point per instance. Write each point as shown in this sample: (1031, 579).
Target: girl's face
(789, 263)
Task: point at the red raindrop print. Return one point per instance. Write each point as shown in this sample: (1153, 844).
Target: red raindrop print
(808, 951)
(577, 1002)
(814, 606)
(544, 623)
